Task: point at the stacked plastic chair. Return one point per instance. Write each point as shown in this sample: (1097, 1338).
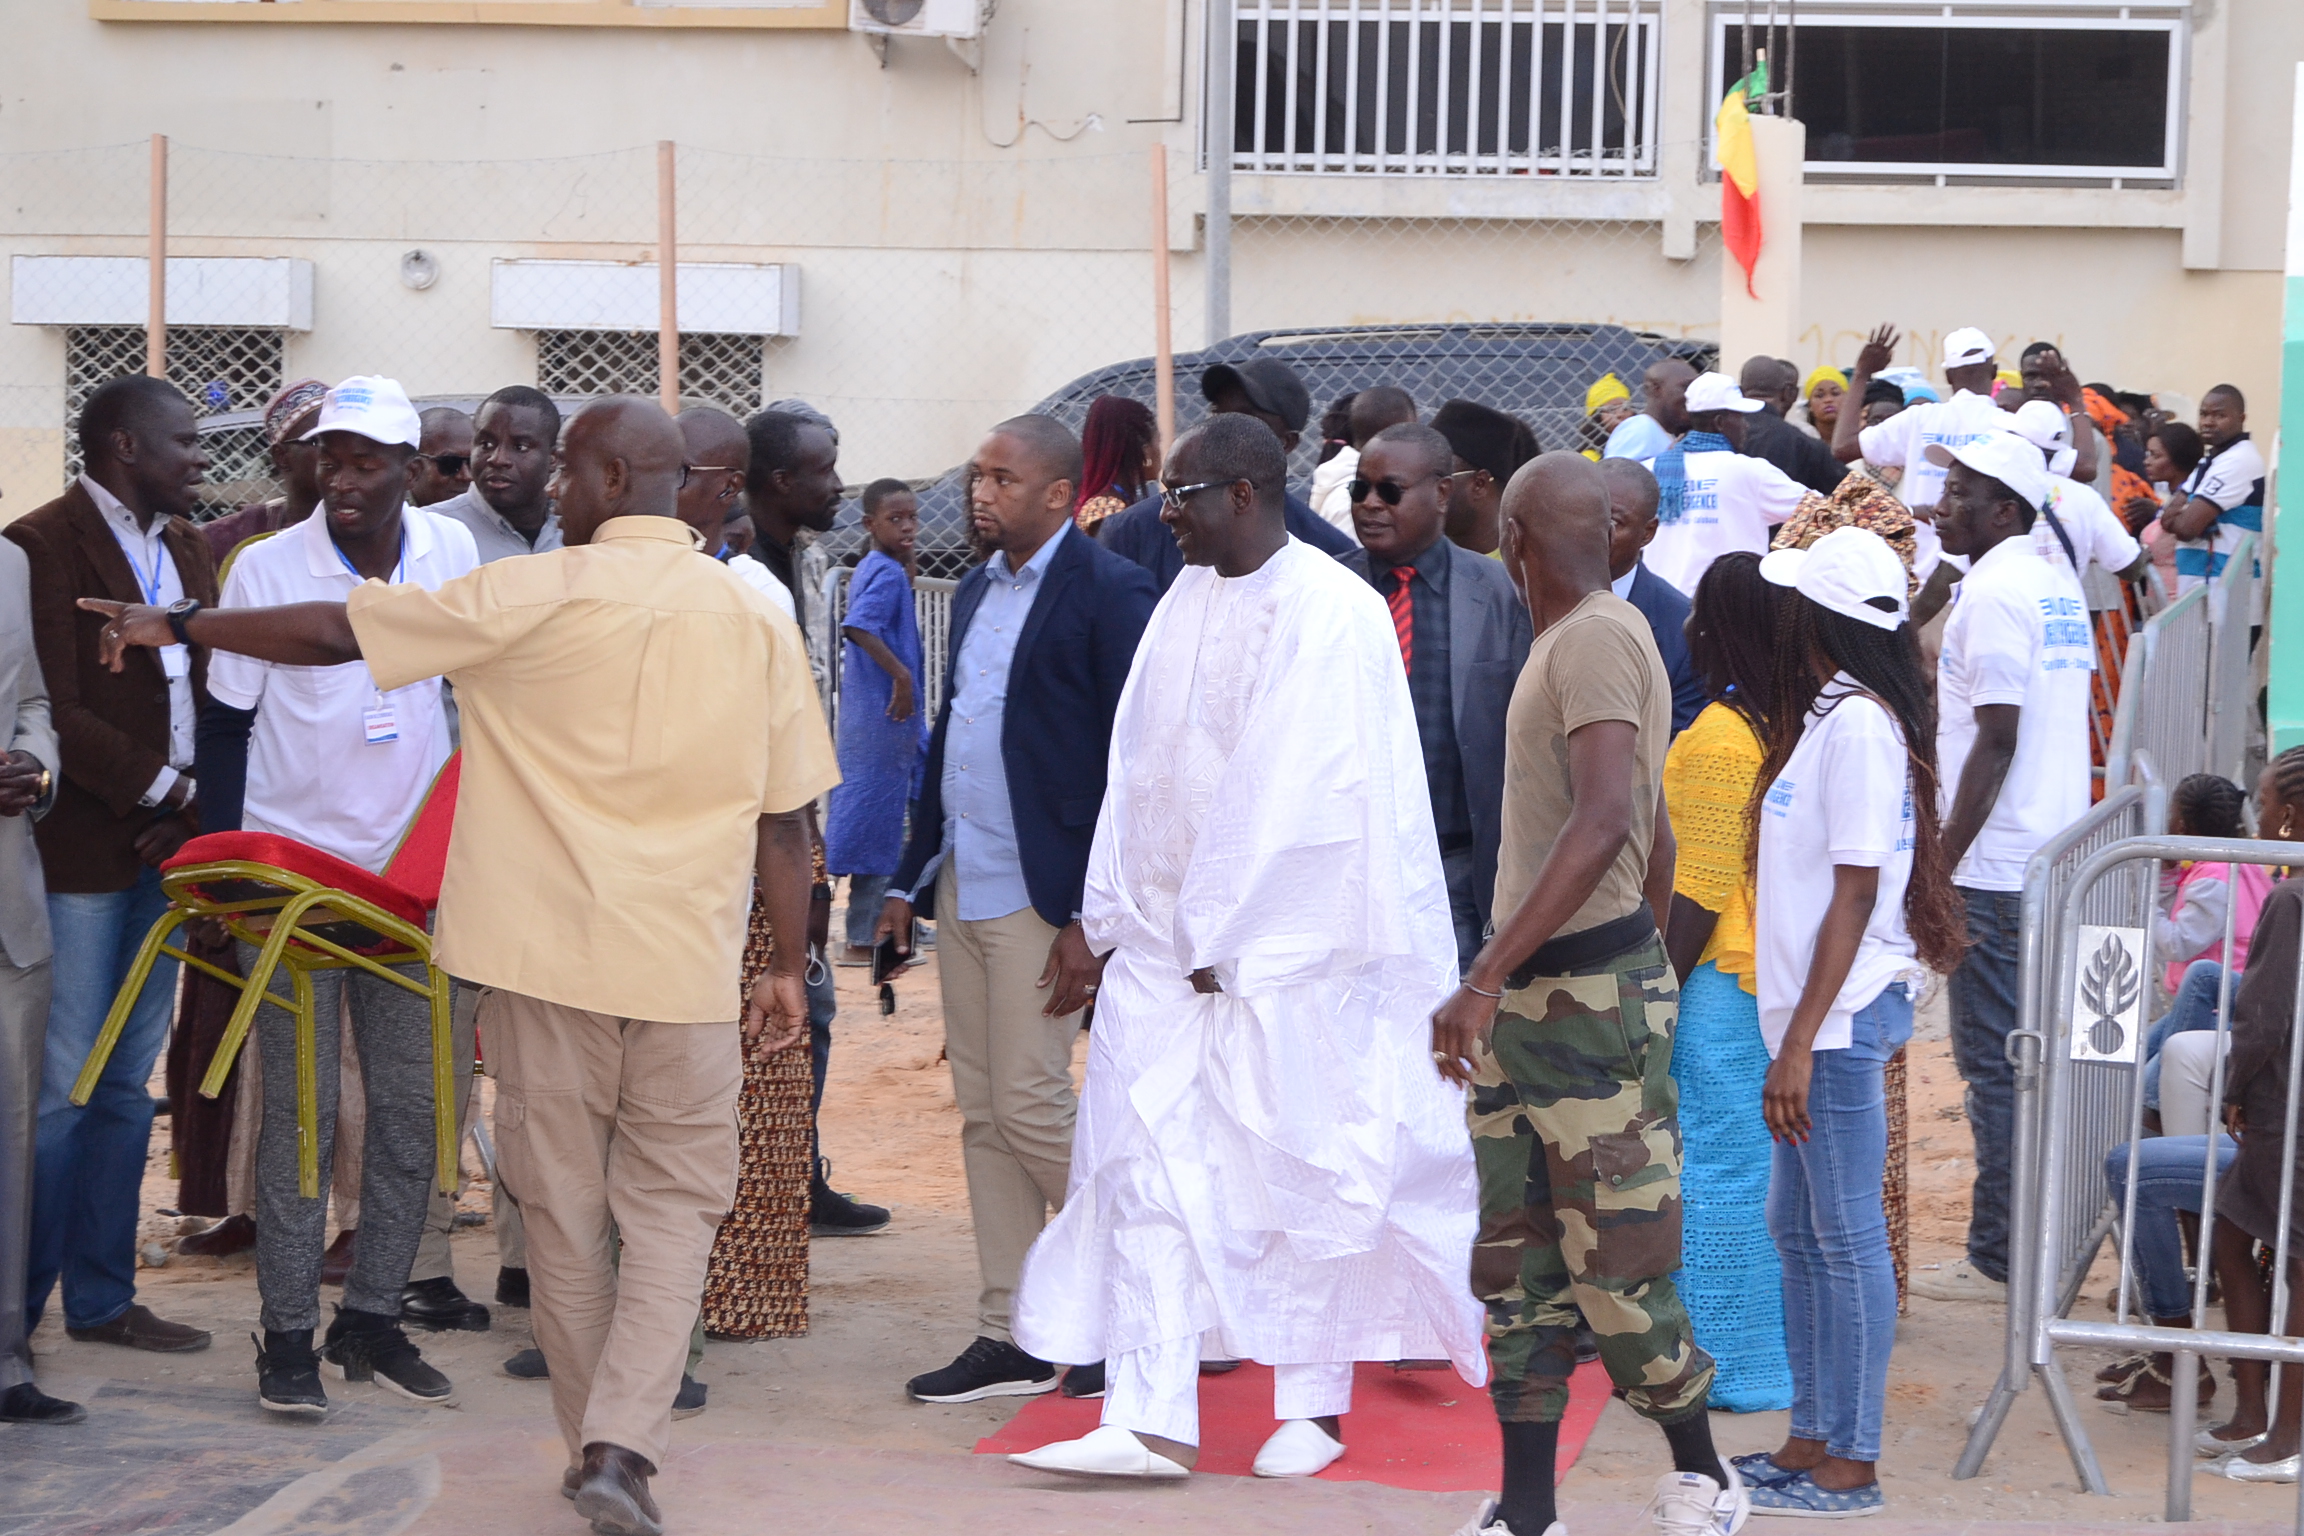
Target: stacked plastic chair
(307, 911)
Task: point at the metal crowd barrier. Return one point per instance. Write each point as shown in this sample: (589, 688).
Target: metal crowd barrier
(931, 600)
(2097, 970)
(2184, 684)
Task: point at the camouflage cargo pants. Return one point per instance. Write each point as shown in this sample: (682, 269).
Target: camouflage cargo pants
(1576, 1129)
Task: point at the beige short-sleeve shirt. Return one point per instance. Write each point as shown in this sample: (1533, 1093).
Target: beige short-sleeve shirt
(629, 713)
(1598, 663)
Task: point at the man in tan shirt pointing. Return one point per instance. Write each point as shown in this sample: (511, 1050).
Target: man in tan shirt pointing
(640, 735)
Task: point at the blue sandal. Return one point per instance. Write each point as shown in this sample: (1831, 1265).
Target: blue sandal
(1797, 1495)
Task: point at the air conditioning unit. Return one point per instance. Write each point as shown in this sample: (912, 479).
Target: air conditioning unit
(918, 18)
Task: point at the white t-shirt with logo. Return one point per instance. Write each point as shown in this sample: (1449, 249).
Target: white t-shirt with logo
(333, 762)
(1728, 502)
(1844, 798)
(2017, 634)
(1903, 440)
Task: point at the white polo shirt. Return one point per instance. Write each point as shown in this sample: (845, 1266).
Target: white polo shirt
(1903, 440)
(314, 773)
(1728, 502)
(2232, 479)
(1845, 797)
(2017, 634)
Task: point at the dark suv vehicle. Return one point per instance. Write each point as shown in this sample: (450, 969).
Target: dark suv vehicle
(1537, 372)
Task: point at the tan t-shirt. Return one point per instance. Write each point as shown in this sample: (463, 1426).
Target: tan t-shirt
(630, 713)
(1598, 663)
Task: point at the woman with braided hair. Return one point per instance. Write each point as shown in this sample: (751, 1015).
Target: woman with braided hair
(1854, 899)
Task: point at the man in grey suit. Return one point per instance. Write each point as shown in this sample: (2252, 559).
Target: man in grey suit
(1463, 636)
(27, 786)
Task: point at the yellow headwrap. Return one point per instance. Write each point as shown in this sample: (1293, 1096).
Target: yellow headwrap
(1605, 388)
(1818, 376)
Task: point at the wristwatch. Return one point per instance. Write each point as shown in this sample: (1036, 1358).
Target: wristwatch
(179, 614)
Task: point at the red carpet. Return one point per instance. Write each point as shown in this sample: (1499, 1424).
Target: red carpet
(1424, 1430)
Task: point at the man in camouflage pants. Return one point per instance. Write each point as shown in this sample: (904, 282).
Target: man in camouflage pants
(1563, 1032)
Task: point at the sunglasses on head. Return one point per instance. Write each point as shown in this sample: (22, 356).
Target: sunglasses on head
(1388, 492)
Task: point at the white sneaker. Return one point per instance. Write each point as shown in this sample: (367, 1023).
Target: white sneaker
(1691, 1504)
(1958, 1281)
(1105, 1451)
(1486, 1522)
(1297, 1448)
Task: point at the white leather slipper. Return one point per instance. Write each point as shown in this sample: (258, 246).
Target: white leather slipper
(1106, 1451)
(1297, 1448)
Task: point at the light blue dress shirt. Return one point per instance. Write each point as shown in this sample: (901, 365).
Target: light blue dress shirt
(1637, 437)
(979, 820)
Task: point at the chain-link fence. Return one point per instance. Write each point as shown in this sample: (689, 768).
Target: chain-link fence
(915, 302)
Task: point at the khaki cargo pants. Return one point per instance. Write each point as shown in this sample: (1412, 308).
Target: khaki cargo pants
(1576, 1130)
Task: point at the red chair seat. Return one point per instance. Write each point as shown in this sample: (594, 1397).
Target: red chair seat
(285, 853)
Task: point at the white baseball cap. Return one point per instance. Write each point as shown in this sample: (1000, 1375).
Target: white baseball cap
(2013, 461)
(1965, 346)
(1717, 392)
(374, 408)
(1851, 571)
(2043, 424)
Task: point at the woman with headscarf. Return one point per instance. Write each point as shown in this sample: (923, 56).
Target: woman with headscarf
(1819, 408)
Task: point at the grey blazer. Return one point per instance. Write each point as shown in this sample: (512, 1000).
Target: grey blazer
(1488, 638)
(24, 727)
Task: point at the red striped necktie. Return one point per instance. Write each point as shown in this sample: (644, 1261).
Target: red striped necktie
(1404, 614)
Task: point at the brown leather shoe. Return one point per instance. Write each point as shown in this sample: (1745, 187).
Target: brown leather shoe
(234, 1234)
(336, 1263)
(571, 1481)
(614, 1494)
(137, 1328)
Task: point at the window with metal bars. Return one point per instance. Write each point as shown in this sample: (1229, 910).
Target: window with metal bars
(1447, 87)
(725, 370)
(221, 369)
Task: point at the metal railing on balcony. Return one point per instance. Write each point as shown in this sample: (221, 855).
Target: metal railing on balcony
(1447, 87)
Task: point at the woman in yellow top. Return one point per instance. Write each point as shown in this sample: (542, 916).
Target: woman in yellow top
(1730, 1277)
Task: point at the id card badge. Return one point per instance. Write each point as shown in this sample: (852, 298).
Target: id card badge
(379, 722)
(175, 661)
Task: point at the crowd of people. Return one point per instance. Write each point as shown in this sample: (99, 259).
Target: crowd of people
(1498, 886)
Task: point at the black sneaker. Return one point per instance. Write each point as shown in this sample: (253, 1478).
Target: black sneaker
(366, 1346)
(986, 1368)
(25, 1403)
(437, 1305)
(1085, 1380)
(689, 1400)
(512, 1287)
(833, 1214)
(288, 1374)
(528, 1365)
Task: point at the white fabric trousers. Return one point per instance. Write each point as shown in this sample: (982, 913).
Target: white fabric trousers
(1156, 1390)
(2187, 1064)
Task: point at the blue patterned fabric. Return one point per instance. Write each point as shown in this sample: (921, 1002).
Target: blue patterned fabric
(880, 758)
(1672, 471)
(1730, 1278)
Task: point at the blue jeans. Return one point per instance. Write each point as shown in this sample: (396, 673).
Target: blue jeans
(865, 894)
(88, 1162)
(2193, 1008)
(2168, 1170)
(1983, 995)
(1831, 1230)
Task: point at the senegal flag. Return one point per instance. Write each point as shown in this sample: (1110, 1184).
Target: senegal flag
(1740, 171)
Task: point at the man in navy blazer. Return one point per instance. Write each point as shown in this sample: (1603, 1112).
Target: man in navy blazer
(1043, 634)
(1631, 524)
(1464, 634)
(1262, 387)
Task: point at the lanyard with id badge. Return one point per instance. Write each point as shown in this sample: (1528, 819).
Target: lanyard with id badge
(175, 660)
(380, 721)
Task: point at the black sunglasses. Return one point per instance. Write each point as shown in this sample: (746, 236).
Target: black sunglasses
(1388, 492)
(449, 463)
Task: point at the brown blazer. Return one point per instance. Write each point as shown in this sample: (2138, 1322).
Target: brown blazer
(112, 728)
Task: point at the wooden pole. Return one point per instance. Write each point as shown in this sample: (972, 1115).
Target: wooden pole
(1163, 344)
(667, 281)
(156, 256)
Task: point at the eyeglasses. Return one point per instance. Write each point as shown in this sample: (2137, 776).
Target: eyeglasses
(1173, 497)
(450, 464)
(727, 492)
(1388, 492)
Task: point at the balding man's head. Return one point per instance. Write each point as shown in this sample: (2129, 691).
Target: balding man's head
(1377, 408)
(1632, 498)
(1556, 532)
(716, 453)
(1665, 390)
(1771, 379)
(620, 457)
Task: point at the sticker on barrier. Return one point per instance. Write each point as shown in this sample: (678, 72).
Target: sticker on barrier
(2107, 1001)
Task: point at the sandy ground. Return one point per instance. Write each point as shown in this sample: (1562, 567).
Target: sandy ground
(885, 1307)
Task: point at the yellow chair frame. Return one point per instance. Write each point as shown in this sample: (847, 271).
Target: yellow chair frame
(274, 924)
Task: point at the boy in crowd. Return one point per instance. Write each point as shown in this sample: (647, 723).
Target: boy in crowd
(882, 729)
